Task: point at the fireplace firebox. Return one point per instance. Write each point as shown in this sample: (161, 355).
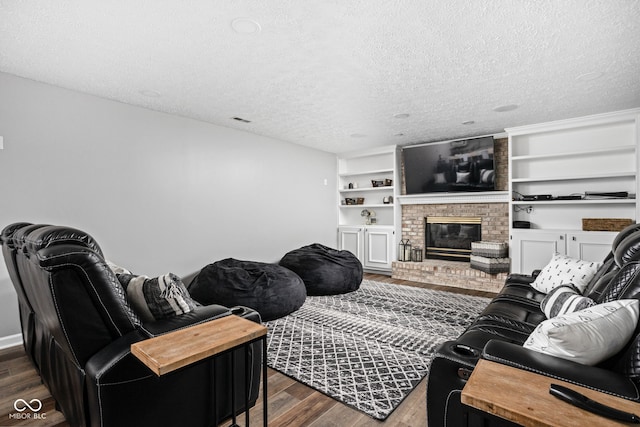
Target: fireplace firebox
(449, 238)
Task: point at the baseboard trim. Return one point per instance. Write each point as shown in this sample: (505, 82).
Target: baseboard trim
(10, 341)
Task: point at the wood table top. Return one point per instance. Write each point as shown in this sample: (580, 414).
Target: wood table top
(523, 397)
(180, 348)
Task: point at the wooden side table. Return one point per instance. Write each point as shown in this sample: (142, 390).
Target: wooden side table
(523, 397)
(174, 350)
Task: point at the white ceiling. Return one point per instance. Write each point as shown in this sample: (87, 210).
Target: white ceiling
(333, 74)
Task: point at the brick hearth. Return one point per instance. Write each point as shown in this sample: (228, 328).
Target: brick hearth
(448, 273)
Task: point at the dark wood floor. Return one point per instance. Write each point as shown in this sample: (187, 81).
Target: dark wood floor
(290, 402)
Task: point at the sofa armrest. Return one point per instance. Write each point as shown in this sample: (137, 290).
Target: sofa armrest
(200, 314)
(591, 377)
(115, 378)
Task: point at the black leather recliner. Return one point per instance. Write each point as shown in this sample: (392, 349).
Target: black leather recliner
(499, 332)
(78, 327)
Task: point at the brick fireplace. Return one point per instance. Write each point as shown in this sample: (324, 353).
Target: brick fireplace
(493, 212)
(494, 228)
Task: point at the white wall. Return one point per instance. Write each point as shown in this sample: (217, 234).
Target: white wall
(159, 193)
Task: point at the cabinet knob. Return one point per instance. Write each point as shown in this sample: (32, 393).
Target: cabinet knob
(561, 237)
(574, 238)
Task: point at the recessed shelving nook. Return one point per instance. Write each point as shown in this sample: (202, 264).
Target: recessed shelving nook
(368, 213)
(560, 172)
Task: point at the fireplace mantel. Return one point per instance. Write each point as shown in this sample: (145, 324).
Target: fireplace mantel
(450, 198)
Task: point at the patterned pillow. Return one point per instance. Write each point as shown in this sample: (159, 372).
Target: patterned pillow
(564, 270)
(564, 299)
(587, 336)
(487, 176)
(157, 298)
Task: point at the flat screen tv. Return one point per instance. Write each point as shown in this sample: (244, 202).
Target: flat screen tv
(452, 166)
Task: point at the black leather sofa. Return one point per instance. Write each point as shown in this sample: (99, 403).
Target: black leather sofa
(462, 176)
(78, 327)
(499, 332)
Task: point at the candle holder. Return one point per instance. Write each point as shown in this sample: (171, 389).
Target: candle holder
(407, 250)
(401, 251)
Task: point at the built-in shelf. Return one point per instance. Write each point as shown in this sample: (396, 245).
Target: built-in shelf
(441, 198)
(365, 172)
(576, 177)
(621, 148)
(577, 202)
(368, 205)
(373, 244)
(359, 190)
(595, 154)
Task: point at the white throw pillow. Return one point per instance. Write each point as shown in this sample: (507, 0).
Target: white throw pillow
(564, 270)
(440, 178)
(462, 177)
(587, 336)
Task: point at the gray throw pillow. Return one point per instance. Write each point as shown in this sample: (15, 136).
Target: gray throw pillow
(158, 297)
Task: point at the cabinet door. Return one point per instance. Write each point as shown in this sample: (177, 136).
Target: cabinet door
(352, 239)
(590, 245)
(532, 250)
(378, 248)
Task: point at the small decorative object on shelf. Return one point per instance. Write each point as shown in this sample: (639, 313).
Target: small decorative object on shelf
(416, 255)
(387, 200)
(605, 224)
(377, 183)
(370, 216)
(388, 182)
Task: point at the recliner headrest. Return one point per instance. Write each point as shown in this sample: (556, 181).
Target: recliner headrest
(7, 232)
(52, 235)
(627, 249)
(20, 235)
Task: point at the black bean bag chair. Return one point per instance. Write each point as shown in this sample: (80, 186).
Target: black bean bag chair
(325, 271)
(270, 289)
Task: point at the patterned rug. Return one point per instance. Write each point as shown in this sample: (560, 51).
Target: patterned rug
(369, 348)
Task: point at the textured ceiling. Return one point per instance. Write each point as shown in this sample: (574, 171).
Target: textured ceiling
(333, 74)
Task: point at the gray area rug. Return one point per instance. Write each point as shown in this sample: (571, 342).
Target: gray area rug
(369, 348)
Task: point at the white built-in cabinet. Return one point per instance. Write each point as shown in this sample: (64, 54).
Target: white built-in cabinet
(372, 244)
(369, 227)
(532, 249)
(564, 158)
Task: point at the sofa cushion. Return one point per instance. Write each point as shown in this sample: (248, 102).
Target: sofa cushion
(158, 297)
(564, 299)
(564, 270)
(587, 336)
